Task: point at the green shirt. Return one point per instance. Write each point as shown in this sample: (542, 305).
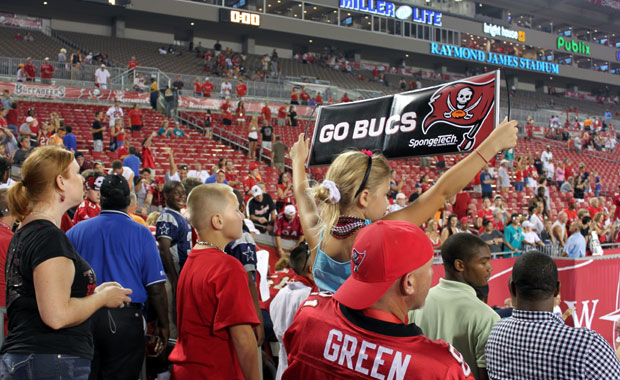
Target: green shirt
(454, 314)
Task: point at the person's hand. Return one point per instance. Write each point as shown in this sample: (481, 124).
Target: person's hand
(568, 313)
(262, 220)
(281, 252)
(107, 284)
(115, 296)
(163, 334)
(504, 136)
(300, 150)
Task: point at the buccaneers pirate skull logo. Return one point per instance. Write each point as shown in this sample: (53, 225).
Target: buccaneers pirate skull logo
(462, 104)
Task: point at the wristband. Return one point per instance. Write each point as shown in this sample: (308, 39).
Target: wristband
(481, 156)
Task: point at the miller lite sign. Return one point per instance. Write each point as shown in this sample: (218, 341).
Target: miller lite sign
(450, 118)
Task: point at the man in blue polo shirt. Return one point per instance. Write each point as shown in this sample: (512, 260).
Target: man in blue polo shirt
(121, 250)
(133, 162)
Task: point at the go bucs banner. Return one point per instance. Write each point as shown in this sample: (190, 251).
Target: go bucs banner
(450, 118)
(590, 286)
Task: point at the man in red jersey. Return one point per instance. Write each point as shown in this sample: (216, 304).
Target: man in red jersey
(89, 208)
(215, 312)
(265, 113)
(241, 89)
(361, 332)
(46, 72)
(207, 87)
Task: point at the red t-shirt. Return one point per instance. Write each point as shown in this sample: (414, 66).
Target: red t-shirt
(46, 71)
(593, 211)
(30, 70)
(147, 158)
(122, 151)
(207, 87)
(345, 99)
(294, 96)
(135, 117)
(66, 223)
(230, 176)
(3, 123)
(322, 333)
(132, 65)
(158, 197)
(318, 99)
(572, 215)
(568, 171)
(86, 210)
(197, 87)
(241, 89)
(11, 117)
(617, 203)
(486, 214)
(460, 205)
(212, 295)
(248, 183)
(266, 112)
(288, 230)
(282, 112)
(304, 96)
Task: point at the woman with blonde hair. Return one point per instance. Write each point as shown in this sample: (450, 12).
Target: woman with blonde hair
(354, 194)
(432, 231)
(253, 136)
(51, 290)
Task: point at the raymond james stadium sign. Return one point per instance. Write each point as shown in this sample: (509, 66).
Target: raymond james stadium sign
(389, 9)
(493, 58)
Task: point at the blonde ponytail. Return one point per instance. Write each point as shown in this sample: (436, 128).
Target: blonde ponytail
(347, 173)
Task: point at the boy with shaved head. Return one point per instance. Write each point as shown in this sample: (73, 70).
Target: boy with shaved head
(214, 306)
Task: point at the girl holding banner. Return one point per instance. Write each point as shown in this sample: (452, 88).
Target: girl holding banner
(355, 193)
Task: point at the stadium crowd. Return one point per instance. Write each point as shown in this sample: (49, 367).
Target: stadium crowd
(177, 249)
(93, 249)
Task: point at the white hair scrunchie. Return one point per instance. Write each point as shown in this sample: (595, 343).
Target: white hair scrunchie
(334, 193)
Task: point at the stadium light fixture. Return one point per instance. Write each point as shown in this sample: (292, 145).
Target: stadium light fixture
(310, 41)
(299, 5)
(45, 3)
(192, 23)
(112, 2)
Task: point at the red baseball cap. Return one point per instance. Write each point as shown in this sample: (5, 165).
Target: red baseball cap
(382, 252)
(253, 166)
(160, 179)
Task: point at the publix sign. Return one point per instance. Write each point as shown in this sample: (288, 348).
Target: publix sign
(573, 46)
(389, 9)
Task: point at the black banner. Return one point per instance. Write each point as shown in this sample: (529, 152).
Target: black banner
(450, 118)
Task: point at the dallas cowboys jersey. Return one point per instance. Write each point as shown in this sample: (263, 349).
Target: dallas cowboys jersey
(172, 225)
(244, 250)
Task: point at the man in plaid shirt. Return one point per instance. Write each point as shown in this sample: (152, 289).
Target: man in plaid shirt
(536, 344)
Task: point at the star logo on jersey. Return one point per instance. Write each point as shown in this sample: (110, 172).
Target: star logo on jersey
(464, 105)
(164, 229)
(357, 258)
(248, 254)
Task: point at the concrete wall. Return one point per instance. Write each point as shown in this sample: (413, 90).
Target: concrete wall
(79, 27)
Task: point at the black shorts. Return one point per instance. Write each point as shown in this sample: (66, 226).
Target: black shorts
(252, 139)
(136, 127)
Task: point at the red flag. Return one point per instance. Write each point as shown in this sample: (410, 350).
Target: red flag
(462, 104)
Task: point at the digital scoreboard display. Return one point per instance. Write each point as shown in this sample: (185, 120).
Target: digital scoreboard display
(238, 16)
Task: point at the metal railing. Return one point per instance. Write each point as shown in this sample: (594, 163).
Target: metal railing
(62, 71)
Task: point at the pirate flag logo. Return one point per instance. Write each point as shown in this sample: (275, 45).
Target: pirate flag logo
(464, 105)
(357, 257)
